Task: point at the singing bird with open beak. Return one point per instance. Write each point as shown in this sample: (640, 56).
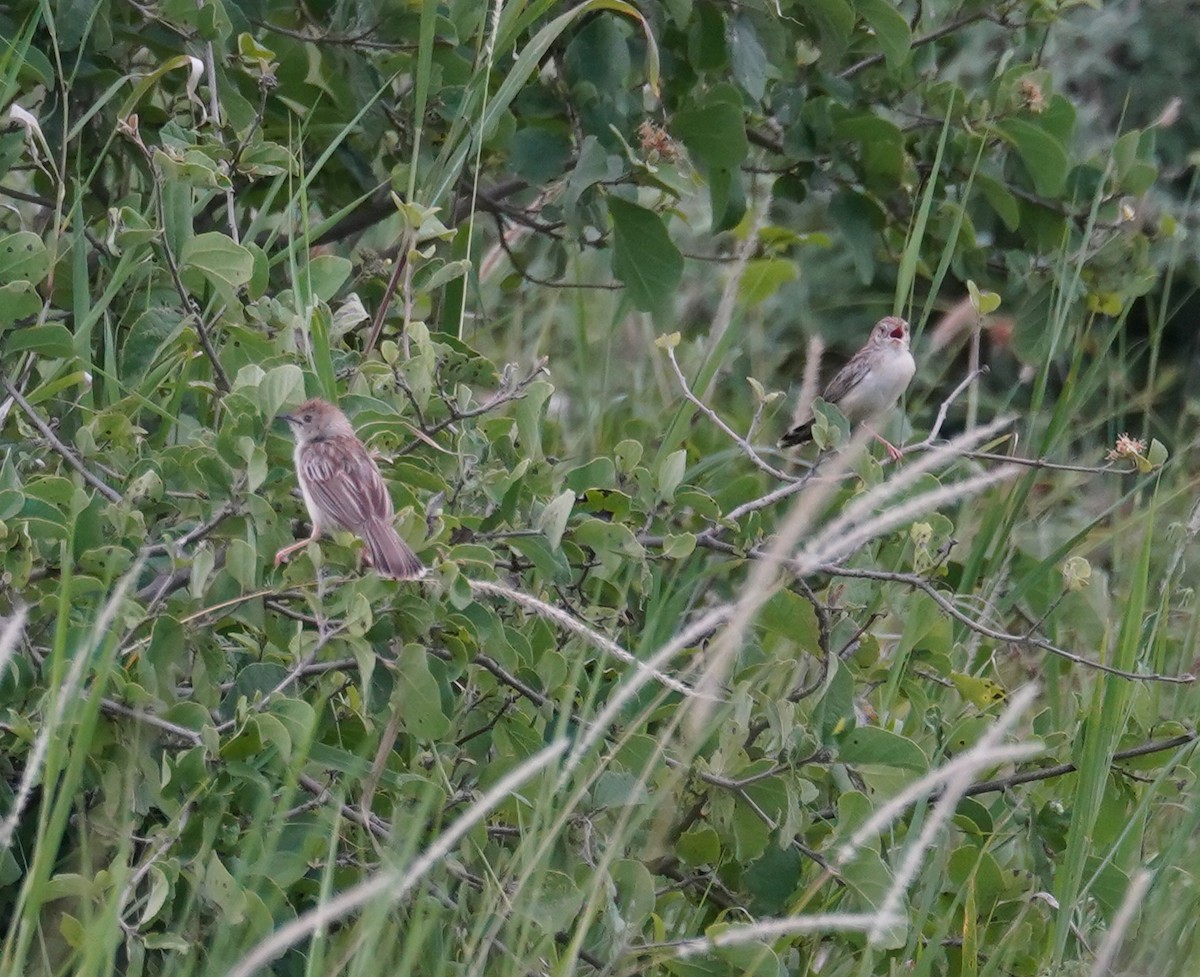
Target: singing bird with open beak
(343, 489)
(871, 383)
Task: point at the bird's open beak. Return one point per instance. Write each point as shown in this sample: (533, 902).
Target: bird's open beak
(285, 417)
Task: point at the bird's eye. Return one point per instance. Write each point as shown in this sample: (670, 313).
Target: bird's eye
(307, 418)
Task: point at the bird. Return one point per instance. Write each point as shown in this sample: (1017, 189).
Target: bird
(870, 383)
(343, 489)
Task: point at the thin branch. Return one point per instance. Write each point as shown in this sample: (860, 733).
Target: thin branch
(60, 449)
(577, 627)
(943, 410)
(923, 585)
(506, 393)
(407, 240)
(220, 377)
(193, 535)
(746, 446)
(1062, 769)
(1049, 465)
(114, 708)
(954, 25)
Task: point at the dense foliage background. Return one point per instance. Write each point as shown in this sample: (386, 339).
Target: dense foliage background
(670, 701)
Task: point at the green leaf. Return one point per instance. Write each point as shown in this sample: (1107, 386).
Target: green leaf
(327, 273)
(670, 474)
(644, 258)
(750, 64)
(834, 21)
(890, 28)
(1156, 454)
(251, 49)
(714, 133)
(553, 518)
(982, 301)
(417, 697)
(764, 277)
(599, 473)
(1043, 155)
(1000, 200)
(699, 846)
(792, 617)
(18, 300)
(552, 904)
(872, 745)
(219, 259)
(679, 547)
(528, 415)
(53, 341)
(221, 889)
(627, 454)
(282, 385)
(23, 257)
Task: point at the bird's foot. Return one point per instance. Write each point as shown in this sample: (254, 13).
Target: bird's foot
(893, 452)
(285, 554)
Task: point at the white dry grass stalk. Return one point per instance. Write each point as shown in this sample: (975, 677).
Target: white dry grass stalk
(828, 546)
(988, 752)
(770, 929)
(862, 508)
(983, 754)
(66, 696)
(954, 777)
(393, 883)
(10, 636)
(575, 626)
(810, 382)
(760, 582)
(844, 534)
(729, 302)
(1138, 885)
(630, 686)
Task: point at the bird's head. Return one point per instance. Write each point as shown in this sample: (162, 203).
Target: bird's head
(891, 329)
(316, 420)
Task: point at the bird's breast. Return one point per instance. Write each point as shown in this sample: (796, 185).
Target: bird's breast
(881, 387)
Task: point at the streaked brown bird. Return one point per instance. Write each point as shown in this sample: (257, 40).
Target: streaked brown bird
(871, 383)
(343, 489)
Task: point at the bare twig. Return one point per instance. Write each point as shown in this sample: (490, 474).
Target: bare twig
(506, 393)
(954, 25)
(746, 446)
(220, 377)
(943, 410)
(407, 239)
(195, 534)
(1062, 769)
(577, 627)
(1049, 465)
(923, 585)
(114, 708)
(60, 449)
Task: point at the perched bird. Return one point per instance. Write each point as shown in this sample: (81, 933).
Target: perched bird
(871, 383)
(343, 489)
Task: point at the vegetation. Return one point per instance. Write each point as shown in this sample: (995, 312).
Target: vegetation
(670, 701)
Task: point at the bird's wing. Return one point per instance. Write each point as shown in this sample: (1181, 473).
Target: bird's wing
(848, 377)
(344, 481)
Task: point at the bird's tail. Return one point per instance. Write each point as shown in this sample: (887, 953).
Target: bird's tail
(389, 554)
(800, 434)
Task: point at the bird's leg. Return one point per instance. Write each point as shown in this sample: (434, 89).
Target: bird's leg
(283, 554)
(893, 452)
